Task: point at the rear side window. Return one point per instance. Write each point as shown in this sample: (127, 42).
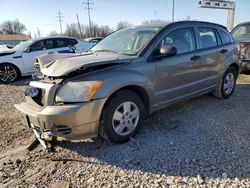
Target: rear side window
(207, 37)
(60, 43)
(226, 37)
(72, 41)
(65, 42)
(49, 44)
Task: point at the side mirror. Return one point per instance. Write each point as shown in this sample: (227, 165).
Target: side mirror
(72, 47)
(166, 51)
(27, 50)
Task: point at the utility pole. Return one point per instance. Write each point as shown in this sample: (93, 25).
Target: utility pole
(60, 19)
(155, 15)
(173, 11)
(89, 8)
(38, 32)
(230, 16)
(18, 26)
(79, 25)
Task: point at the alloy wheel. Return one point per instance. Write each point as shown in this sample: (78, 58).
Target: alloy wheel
(125, 118)
(229, 83)
(8, 74)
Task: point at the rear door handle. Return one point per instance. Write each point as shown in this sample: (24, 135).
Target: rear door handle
(195, 57)
(223, 51)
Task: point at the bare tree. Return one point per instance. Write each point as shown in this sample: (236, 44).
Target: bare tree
(54, 33)
(72, 30)
(123, 24)
(104, 31)
(12, 27)
(188, 18)
(97, 31)
(158, 21)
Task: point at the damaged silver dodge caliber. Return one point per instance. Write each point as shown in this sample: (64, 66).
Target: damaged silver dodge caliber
(127, 76)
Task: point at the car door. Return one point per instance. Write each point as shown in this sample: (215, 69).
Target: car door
(178, 76)
(36, 49)
(212, 54)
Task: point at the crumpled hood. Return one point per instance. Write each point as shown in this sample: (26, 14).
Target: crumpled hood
(242, 38)
(62, 67)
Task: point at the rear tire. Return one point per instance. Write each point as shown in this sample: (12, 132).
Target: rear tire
(227, 85)
(9, 73)
(121, 117)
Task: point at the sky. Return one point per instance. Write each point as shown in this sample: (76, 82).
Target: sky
(42, 13)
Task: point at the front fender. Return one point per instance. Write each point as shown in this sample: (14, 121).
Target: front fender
(123, 79)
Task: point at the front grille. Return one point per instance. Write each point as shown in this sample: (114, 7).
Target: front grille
(39, 99)
(245, 51)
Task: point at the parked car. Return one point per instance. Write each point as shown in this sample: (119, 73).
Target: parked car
(19, 61)
(241, 33)
(4, 47)
(93, 40)
(127, 76)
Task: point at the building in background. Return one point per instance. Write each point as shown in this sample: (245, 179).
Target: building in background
(13, 39)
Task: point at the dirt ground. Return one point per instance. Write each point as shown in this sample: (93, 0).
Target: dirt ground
(202, 142)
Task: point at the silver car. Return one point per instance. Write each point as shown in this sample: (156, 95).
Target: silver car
(127, 76)
(241, 34)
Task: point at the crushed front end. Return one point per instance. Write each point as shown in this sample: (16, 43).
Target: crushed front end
(49, 119)
(244, 48)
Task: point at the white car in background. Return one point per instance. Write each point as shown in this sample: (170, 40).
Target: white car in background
(5, 47)
(19, 61)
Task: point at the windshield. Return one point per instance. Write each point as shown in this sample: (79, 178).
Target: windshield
(23, 45)
(126, 41)
(241, 30)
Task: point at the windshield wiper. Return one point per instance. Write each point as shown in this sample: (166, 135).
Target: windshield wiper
(114, 52)
(106, 51)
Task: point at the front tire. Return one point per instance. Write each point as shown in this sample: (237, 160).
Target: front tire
(121, 117)
(226, 88)
(8, 73)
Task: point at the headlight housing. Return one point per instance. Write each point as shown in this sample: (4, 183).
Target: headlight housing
(78, 91)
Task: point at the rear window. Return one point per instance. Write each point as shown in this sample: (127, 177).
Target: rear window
(226, 37)
(65, 42)
(207, 37)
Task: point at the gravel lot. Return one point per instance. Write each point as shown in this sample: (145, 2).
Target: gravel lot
(203, 142)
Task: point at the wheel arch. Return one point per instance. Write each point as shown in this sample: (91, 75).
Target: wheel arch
(140, 91)
(236, 67)
(8, 63)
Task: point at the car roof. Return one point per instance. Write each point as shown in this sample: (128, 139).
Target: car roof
(163, 25)
(244, 23)
(53, 37)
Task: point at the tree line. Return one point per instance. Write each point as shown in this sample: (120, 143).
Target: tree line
(71, 30)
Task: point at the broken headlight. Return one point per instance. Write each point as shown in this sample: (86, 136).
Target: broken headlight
(78, 91)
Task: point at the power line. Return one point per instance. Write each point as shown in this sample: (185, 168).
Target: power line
(60, 19)
(87, 6)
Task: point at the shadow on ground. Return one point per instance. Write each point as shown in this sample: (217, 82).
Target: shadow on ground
(203, 136)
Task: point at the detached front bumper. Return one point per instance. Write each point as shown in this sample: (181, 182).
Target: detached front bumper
(71, 121)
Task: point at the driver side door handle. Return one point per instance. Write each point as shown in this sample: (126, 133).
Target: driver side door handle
(223, 51)
(195, 58)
